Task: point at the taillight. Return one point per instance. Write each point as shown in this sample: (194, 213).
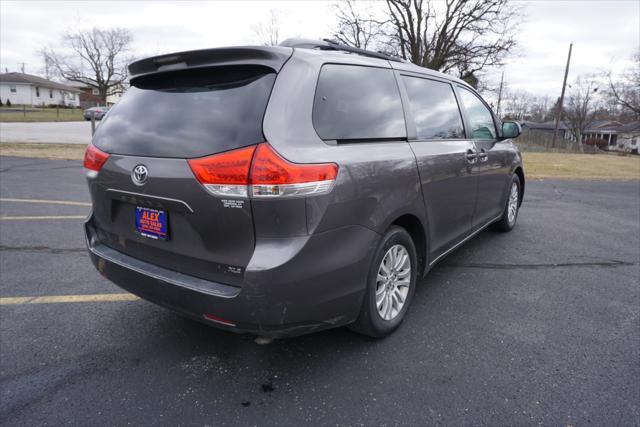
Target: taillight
(259, 171)
(273, 176)
(94, 159)
(225, 174)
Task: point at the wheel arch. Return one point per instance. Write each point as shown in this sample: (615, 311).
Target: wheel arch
(412, 224)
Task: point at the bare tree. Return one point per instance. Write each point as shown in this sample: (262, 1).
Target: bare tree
(99, 58)
(539, 110)
(581, 107)
(626, 91)
(462, 35)
(522, 105)
(48, 68)
(358, 26)
(268, 32)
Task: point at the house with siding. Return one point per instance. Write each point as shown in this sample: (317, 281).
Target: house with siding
(90, 95)
(548, 128)
(35, 91)
(629, 137)
(606, 130)
(618, 136)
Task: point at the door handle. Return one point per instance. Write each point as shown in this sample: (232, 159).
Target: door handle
(472, 156)
(483, 155)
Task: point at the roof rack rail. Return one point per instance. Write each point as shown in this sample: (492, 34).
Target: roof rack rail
(328, 44)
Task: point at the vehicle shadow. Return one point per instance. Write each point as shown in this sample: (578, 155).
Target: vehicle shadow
(203, 339)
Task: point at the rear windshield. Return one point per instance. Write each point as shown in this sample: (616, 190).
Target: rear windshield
(188, 113)
(354, 102)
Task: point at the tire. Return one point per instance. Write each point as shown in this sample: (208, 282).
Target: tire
(508, 221)
(395, 244)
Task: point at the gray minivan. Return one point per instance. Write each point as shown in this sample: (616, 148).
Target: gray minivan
(284, 190)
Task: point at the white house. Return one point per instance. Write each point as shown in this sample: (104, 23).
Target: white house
(27, 89)
(629, 137)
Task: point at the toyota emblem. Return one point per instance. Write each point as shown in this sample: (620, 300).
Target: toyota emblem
(139, 174)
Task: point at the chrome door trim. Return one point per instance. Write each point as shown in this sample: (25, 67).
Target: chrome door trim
(113, 193)
(457, 245)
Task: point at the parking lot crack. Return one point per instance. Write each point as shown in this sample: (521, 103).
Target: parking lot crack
(45, 249)
(490, 266)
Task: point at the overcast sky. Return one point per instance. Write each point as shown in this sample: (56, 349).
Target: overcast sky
(605, 33)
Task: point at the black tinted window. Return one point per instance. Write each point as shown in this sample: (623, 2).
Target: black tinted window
(434, 107)
(190, 113)
(354, 102)
(480, 117)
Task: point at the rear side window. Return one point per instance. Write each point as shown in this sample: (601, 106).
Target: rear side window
(434, 107)
(355, 102)
(480, 116)
(188, 113)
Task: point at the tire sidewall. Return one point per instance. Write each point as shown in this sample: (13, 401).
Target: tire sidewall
(515, 179)
(395, 236)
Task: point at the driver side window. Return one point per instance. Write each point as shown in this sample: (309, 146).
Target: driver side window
(481, 119)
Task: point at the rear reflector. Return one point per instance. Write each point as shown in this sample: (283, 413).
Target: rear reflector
(225, 174)
(94, 158)
(260, 172)
(217, 319)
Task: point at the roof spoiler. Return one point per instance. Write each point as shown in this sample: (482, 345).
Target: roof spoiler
(328, 44)
(272, 57)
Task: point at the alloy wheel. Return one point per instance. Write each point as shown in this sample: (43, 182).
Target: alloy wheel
(394, 279)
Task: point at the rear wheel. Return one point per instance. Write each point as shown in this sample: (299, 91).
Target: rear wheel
(510, 214)
(390, 285)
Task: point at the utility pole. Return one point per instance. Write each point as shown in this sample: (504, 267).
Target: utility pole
(560, 103)
(22, 64)
(500, 95)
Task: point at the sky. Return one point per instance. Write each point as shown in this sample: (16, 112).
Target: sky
(605, 33)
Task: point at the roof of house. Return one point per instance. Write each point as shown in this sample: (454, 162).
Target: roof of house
(604, 125)
(545, 125)
(596, 125)
(34, 80)
(629, 127)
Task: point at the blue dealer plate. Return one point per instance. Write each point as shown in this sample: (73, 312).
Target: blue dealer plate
(152, 223)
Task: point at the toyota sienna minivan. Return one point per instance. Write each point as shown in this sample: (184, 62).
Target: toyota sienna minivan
(289, 189)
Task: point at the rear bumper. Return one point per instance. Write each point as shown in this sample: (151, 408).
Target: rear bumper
(292, 286)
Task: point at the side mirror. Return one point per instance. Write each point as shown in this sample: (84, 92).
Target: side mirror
(511, 130)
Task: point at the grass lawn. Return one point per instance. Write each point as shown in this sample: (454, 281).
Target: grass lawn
(47, 151)
(536, 165)
(581, 166)
(42, 115)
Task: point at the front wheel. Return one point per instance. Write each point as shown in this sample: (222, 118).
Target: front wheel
(510, 214)
(390, 285)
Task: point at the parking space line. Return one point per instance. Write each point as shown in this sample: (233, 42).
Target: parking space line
(57, 299)
(49, 202)
(14, 218)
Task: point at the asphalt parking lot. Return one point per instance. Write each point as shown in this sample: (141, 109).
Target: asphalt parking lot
(537, 326)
